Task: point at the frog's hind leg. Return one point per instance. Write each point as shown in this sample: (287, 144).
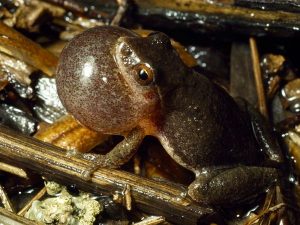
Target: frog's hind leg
(262, 132)
(227, 186)
(264, 136)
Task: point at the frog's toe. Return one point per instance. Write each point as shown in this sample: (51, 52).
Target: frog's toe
(197, 192)
(95, 162)
(87, 173)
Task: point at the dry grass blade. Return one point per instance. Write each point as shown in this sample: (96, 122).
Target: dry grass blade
(69, 134)
(242, 82)
(13, 170)
(5, 200)
(263, 213)
(17, 45)
(127, 197)
(268, 212)
(152, 220)
(269, 199)
(152, 196)
(40, 194)
(262, 105)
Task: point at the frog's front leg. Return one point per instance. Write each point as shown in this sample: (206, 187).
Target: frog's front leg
(119, 155)
(225, 186)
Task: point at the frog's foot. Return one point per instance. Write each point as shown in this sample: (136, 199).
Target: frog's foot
(96, 161)
(119, 155)
(232, 185)
(88, 172)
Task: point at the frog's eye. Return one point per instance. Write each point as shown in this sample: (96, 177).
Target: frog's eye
(144, 75)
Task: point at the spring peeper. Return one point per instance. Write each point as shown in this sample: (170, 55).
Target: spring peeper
(117, 82)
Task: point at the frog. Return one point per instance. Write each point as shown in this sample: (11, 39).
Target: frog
(116, 82)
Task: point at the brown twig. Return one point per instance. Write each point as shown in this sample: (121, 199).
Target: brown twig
(196, 16)
(151, 196)
(199, 16)
(7, 217)
(262, 105)
(123, 5)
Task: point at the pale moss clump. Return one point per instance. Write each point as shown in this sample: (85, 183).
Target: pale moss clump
(53, 188)
(64, 208)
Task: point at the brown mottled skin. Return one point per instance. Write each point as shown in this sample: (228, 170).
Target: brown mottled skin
(197, 122)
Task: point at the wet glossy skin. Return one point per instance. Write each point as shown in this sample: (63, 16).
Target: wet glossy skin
(114, 81)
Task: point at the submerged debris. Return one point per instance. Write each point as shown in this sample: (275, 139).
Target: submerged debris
(17, 69)
(293, 141)
(291, 96)
(30, 15)
(48, 107)
(272, 67)
(17, 119)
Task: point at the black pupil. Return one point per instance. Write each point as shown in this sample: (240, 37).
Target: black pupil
(143, 74)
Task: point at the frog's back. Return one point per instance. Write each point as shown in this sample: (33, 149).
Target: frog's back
(203, 126)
